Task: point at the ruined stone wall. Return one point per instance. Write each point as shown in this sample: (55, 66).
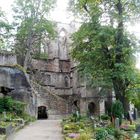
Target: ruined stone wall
(55, 104)
(15, 83)
(59, 76)
(7, 59)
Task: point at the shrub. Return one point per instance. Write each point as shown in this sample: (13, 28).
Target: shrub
(28, 118)
(117, 110)
(83, 136)
(9, 105)
(101, 134)
(42, 56)
(105, 117)
(110, 130)
(118, 134)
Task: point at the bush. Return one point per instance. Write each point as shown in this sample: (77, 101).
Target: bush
(111, 131)
(28, 118)
(9, 105)
(42, 56)
(117, 110)
(118, 134)
(83, 136)
(105, 117)
(101, 134)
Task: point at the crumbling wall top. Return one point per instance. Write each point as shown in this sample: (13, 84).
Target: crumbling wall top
(8, 59)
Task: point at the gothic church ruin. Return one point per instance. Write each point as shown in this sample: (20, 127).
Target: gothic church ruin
(54, 84)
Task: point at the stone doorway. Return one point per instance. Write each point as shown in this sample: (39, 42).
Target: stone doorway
(42, 112)
(92, 108)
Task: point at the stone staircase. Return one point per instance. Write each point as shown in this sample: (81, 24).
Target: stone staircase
(57, 106)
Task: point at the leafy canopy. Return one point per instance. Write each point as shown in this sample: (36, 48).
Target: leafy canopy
(32, 25)
(103, 46)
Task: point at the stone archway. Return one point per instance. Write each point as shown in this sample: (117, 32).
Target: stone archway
(92, 108)
(42, 112)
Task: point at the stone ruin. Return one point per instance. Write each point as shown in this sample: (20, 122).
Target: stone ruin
(14, 82)
(58, 75)
(54, 83)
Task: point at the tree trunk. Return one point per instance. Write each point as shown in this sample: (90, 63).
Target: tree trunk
(27, 59)
(120, 94)
(120, 84)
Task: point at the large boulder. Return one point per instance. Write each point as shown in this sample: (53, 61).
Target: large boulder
(14, 82)
(13, 78)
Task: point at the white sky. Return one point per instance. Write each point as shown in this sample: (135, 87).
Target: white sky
(61, 15)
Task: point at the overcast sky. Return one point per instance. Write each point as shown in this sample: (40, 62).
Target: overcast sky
(59, 14)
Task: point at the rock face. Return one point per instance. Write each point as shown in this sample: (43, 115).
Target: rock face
(14, 82)
(13, 78)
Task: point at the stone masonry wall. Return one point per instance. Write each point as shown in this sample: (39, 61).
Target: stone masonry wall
(7, 59)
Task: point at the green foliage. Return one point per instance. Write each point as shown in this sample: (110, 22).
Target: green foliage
(42, 56)
(133, 91)
(5, 34)
(28, 118)
(106, 51)
(6, 104)
(83, 136)
(118, 134)
(32, 27)
(117, 110)
(105, 117)
(111, 130)
(101, 134)
(4, 124)
(9, 105)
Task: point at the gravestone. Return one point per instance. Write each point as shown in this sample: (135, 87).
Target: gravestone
(117, 123)
(130, 117)
(135, 116)
(4, 116)
(138, 129)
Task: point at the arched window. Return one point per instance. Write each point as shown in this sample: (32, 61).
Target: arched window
(63, 36)
(92, 108)
(66, 81)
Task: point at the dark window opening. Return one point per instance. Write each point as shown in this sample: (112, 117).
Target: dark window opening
(75, 102)
(48, 78)
(42, 112)
(107, 107)
(66, 81)
(92, 108)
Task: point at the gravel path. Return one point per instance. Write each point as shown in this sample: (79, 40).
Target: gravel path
(40, 130)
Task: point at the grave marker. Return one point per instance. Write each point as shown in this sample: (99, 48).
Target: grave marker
(117, 123)
(130, 117)
(135, 114)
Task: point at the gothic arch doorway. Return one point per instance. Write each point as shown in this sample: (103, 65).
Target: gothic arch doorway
(42, 112)
(91, 108)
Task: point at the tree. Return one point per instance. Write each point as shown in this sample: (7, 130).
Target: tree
(103, 47)
(31, 26)
(5, 28)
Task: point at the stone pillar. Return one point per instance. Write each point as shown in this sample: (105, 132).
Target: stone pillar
(102, 107)
(83, 106)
